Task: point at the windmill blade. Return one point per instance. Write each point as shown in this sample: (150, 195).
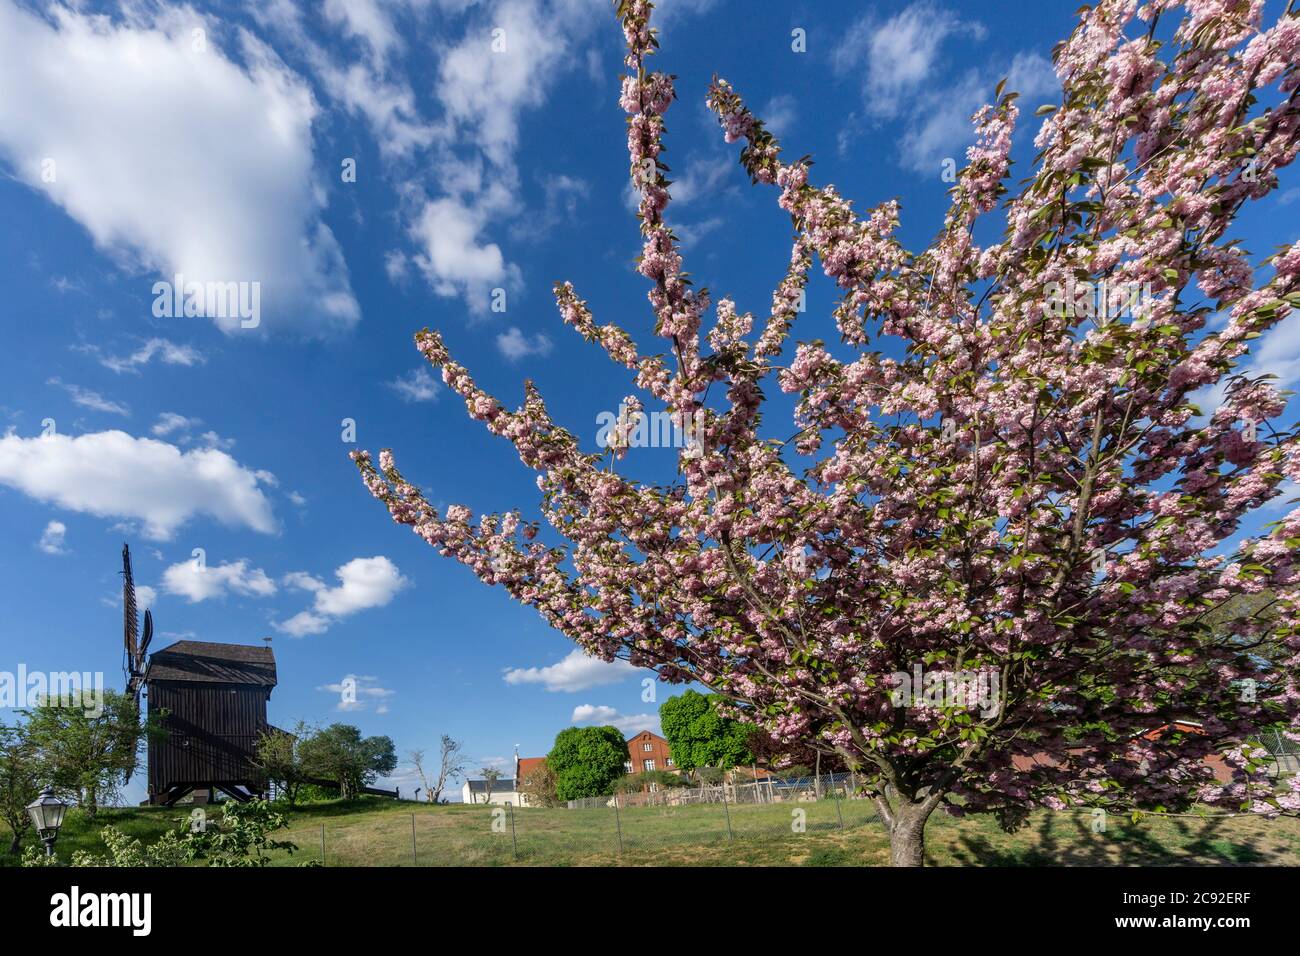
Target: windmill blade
(130, 625)
(130, 617)
(146, 637)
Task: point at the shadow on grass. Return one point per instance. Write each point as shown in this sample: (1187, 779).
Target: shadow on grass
(1178, 842)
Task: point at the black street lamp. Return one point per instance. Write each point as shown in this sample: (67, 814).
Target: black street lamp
(47, 812)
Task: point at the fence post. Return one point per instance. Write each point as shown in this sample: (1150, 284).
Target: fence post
(322, 844)
(415, 855)
(514, 842)
(726, 810)
(838, 811)
(618, 825)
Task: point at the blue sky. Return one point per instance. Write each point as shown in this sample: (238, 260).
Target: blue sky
(140, 143)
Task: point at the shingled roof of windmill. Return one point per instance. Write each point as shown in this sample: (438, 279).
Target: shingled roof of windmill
(206, 662)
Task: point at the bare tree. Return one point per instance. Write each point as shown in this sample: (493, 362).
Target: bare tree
(417, 758)
(451, 764)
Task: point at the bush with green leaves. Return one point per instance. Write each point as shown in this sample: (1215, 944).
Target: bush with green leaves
(586, 761)
(240, 838)
(699, 736)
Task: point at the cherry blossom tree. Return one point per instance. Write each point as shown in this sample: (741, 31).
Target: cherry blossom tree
(998, 470)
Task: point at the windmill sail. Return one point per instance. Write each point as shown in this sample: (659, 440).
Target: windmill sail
(133, 647)
(147, 636)
(133, 653)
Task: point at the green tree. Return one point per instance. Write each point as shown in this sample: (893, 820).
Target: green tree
(699, 736)
(89, 743)
(20, 780)
(586, 761)
(278, 754)
(342, 756)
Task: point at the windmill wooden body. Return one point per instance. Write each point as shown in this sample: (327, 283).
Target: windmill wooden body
(210, 698)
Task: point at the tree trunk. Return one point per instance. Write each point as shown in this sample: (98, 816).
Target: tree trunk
(905, 824)
(16, 841)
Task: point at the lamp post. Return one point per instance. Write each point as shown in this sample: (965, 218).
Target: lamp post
(47, 812)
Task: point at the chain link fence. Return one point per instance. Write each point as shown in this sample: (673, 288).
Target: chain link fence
(660, 826)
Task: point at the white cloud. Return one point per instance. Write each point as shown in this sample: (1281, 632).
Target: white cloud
(145, 596)
(690, 233)
(211, 439)
(703, 177)
(357, 692)
(899, 62)
(780, 113)
(899, 55)
(303, 623)
(365, 20)
(628, 723)
(944, 125)
(396, 264)
(199, 582)
(577, 671)
(52, 538)
(455, 259)
(1276, 353)
(88, 399)
(389, 107)
(483, 93)
(114, 475)
(417, 386)
(363, 583)
(169, 422)
(168, 352)
(505, 764)
(514, 345)
(176, 160)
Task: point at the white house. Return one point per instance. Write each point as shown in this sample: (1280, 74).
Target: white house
(503, 792)
(506, 789)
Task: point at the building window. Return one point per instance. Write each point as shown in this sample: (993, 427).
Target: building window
(627, 766)
(668, 761)
(647, 747)
(648, 764)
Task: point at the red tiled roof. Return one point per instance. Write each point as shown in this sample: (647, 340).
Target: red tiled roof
(527, 765)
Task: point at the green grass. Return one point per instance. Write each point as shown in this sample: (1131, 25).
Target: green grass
(377, 832)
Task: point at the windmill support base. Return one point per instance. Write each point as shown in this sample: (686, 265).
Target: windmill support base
(169, 796)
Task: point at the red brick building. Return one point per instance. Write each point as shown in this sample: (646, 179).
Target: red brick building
(647, 751)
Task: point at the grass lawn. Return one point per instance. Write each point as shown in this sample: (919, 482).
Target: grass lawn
(378, 832)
